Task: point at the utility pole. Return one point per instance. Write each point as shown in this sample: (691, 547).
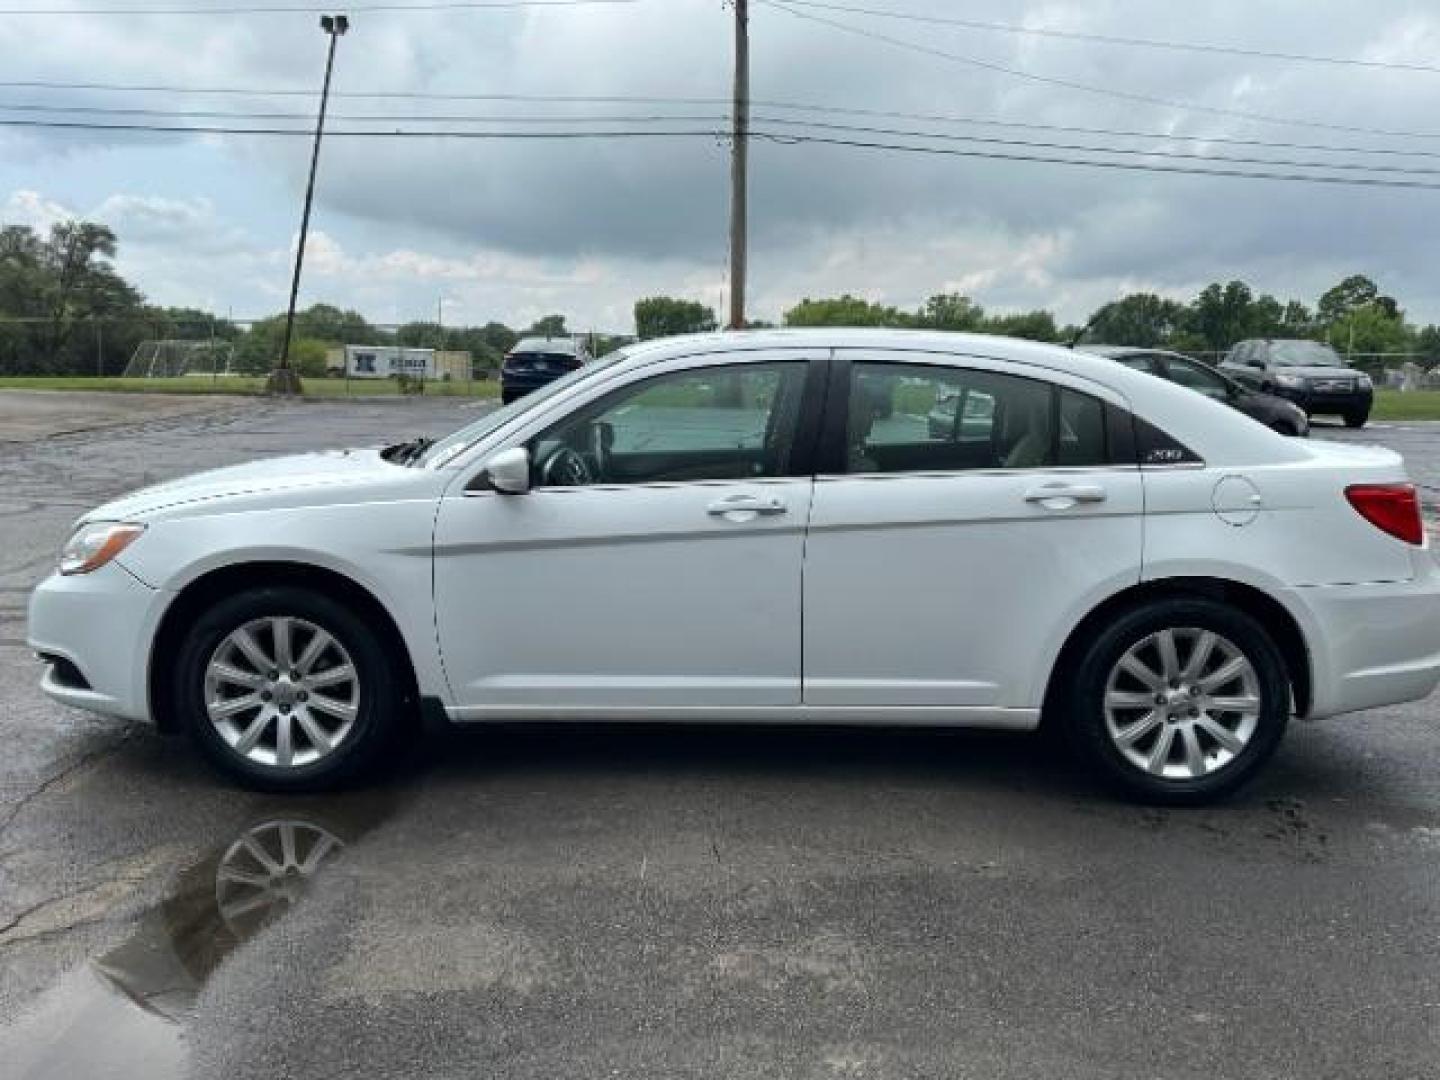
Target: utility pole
(739, 154)
(283, 379)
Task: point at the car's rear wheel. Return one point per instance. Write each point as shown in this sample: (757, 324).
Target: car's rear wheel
(1179, 701)
(1357, 418)
(286, 689)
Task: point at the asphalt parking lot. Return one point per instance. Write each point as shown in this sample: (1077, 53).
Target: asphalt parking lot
(673, 902)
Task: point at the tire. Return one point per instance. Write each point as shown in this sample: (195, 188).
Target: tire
(1357, 418)
(330, 744)
(1282, 428)
(1107, 701)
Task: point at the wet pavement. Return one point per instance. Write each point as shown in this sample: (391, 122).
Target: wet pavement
(685, 902)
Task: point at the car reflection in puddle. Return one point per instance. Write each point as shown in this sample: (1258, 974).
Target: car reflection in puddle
(220, 903)
(123, 1013)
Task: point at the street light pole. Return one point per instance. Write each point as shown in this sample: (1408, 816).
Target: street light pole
(283, 379)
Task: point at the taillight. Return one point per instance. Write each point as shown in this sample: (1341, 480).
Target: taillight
(1392, 508)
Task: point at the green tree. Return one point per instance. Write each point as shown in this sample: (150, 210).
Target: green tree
(666, 316)
(845, 310)
(549, 326)
(1356, 291)
(1427, 344)
(1034, 325)
(951, 311)
(1369, 329)
(1140, 319)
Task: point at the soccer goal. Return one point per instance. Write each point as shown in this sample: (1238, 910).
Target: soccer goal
(172, 358)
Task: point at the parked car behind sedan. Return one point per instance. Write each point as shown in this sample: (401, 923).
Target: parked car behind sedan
(535, 361)
(1147, 570)
(1309, 373)
(1274, 412)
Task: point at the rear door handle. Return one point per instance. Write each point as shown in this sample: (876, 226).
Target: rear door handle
(1062, 496)
(746, 504)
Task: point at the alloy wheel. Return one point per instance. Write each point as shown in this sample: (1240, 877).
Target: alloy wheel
(1182, 703)
(281, 691)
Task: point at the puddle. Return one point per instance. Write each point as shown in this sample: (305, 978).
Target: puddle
(123, 1014)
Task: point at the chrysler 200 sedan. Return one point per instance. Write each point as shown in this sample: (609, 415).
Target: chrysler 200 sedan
(765, 527)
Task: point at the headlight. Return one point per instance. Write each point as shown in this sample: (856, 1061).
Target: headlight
(96, 544)
(1363, 381)
(1290, 382)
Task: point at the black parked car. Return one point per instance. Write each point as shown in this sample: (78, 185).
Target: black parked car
(1308, 373)
(1274, 412)
(535, 361)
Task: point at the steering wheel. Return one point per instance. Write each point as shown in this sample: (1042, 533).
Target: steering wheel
(566, 468)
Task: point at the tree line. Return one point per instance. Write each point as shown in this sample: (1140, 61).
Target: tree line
(65, 310)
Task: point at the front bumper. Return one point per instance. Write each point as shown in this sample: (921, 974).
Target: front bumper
(101, 624)
(1376, 644)
(1329, 403)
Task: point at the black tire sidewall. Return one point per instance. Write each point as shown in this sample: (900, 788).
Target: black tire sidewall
(1086, 720)
(380, 699)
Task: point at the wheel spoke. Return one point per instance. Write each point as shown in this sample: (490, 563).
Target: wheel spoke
(228, 707)
(1199, 655)
(246, 643)
(1129, 736)
(1221, 734)
(1169, 657)
(313, 731)
(1128, 699)
(249, 904)
(1194, 755)
(243, 877)
(228, 673)
(284, 740)
(317, 644)
(1160, 752)
(1243, 703)
(280, 629)
(319, 853)
(287, 845)
(339, 674)
(260, 855)
(1225, 674)
(341, 709)
(1136, 667)
(252, 733)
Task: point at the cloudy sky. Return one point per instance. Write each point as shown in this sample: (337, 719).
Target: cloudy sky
(513, 229)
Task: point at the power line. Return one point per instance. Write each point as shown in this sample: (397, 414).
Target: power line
(674, 100)
(639, 99)
(1115, 39)
(1069, 84)
(1123, 166)
(720, 119)
(780, 138)
(442, 5)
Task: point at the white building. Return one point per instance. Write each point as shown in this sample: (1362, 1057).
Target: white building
(383, 361)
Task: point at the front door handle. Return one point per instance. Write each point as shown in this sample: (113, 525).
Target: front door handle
(748, 505)
(1062, 496)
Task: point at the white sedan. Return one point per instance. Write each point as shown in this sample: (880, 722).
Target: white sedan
(770, 527)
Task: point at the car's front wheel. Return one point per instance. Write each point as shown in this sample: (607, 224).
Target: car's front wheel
(1357, 418)
(287, 689)
(1179, 701)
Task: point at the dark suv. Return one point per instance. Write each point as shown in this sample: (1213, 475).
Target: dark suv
(1309, 373)
(535, 361)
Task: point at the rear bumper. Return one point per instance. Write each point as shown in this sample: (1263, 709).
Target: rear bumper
(525, 381)
(1373, 645)
(102, 624)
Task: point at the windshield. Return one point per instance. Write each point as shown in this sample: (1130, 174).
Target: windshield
(442, 450)
(1304, 354)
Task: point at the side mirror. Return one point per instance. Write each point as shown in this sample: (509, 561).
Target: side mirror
(508, 472)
